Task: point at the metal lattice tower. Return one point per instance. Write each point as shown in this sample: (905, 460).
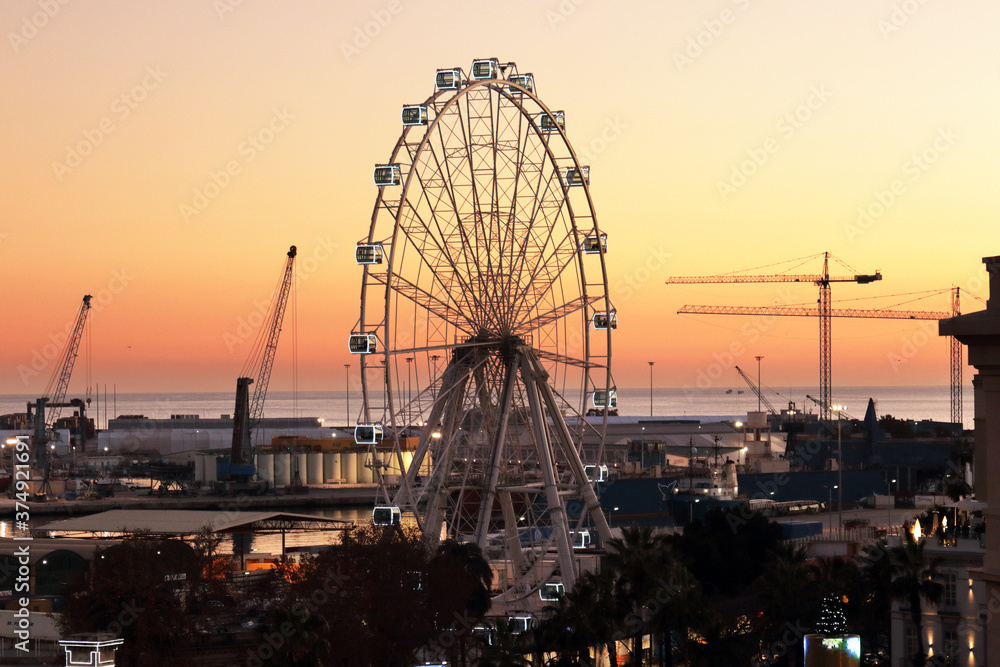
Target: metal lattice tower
(956, 362)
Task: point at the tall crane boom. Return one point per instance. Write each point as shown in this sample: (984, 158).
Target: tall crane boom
(824, 310)
(264, 372)
(249, 411)
(55, 392)
(797, 311)
(757, 390)
(840, 413)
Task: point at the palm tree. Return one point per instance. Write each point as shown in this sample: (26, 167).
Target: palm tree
(675, 606)
(787, 594)
(468, 558)
(506, 649)
(459, 583)
(876, 568)
(653, 591)
(836, 574)
(915, 581)
(305, 643)
(634, 562)
(583, 618)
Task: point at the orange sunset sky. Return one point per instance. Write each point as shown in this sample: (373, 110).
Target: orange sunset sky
(722, 135)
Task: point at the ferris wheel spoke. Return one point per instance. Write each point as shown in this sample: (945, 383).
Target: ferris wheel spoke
(544, 289)
(557, 313)
(541, 156)
(511, 154)
(449, 166)
(551, 266)
(566, 359)
(545, 222)
(431, 254)
(430, 248)
(442, 309)
(480, 223)
(438, 214)
(523, 241)
(437, 348)
(461, 163)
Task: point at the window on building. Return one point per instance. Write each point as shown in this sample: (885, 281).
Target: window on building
(950, 647)
(950, 596)
(912, 646)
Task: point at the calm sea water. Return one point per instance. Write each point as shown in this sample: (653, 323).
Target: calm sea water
(902, 402)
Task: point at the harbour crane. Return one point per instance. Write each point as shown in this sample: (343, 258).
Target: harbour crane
(757, 390)
(823, 310)
(47, 408)
(955, 355)
(840, 413)
(236, 472)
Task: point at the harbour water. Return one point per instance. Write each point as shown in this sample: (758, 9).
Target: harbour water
(923, 402)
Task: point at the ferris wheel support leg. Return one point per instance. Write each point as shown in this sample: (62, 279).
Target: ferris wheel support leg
(583, 483)
(557, 512)
(406, 496)
(511, 538)
(438, 484)
(496, 455)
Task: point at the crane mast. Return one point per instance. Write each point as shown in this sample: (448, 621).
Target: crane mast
(956, 362)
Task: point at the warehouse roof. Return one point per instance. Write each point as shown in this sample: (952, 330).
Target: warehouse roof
(188, 522)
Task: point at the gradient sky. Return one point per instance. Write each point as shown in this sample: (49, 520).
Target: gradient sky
(836, 100)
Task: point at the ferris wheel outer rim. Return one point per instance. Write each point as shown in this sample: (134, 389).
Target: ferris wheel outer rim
(456, 96)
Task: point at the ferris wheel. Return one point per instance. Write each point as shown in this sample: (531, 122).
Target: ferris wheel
(485, 331)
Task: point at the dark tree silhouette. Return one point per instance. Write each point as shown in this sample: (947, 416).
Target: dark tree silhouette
(383, 596)
(131, 590)
(915, 581)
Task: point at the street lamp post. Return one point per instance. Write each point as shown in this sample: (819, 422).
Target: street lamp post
(651, 387)
(760, 389)
(888, 511)
(829, 504)
(829, 507)
(434, 358)
(347, 392)
(840, 471)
